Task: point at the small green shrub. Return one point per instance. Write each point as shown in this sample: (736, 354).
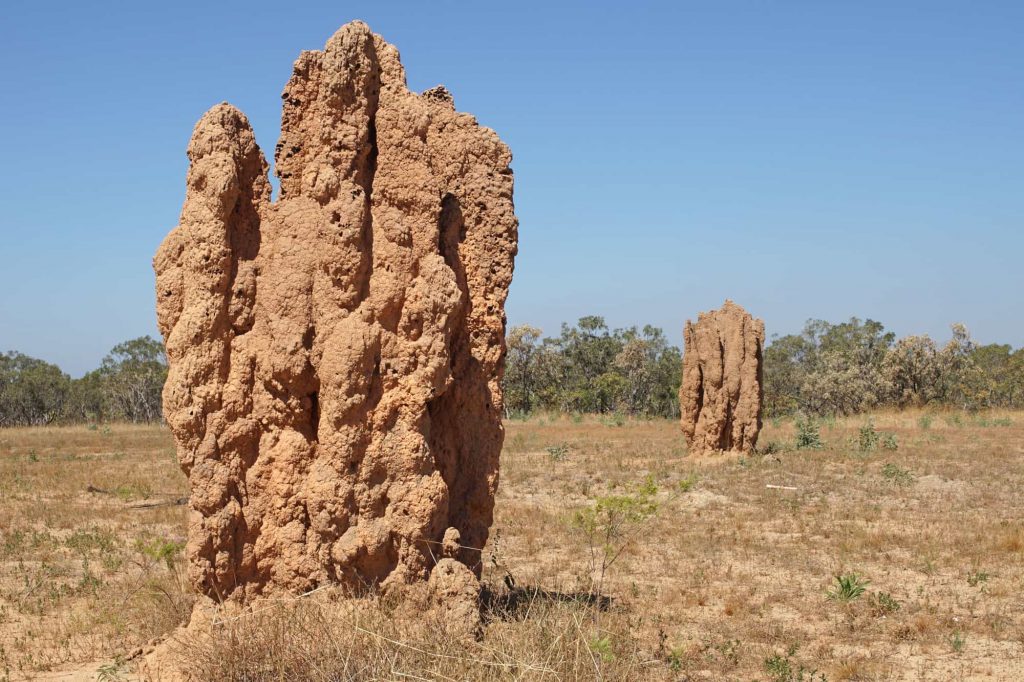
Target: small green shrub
(93, 539)
(676, 659)
(890, 443)
(883, 604)
(730, 651)
(925, 421)
(602, 646)
(808, 437)
(975, 578)
(868, 438)
(687, 484)
(782, 668)
(611, 523)
(112, 672)
(848, 587)
(160, 549)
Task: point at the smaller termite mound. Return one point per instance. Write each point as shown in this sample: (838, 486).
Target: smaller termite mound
(721, 393)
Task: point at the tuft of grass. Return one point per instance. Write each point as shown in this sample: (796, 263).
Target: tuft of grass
(614, 419)
(782, 668)
(545, 637)
(558, 453)
(136, 490)
(883, 604)
(896, 474)
(676, 659)
(975, 578)
(848, 587)
(772, 447)
(87, 540)
(160, 550)
(112, 672)
(957, 642)
(687, 484)
(602, 646)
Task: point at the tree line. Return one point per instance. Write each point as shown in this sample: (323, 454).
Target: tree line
(125, 387)
(854, 366)
(590, 368)
(827, 369)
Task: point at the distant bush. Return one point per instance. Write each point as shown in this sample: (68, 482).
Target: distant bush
(32, 392)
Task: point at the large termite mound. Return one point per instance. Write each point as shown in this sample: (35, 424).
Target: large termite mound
(721, 393)
(335, 355)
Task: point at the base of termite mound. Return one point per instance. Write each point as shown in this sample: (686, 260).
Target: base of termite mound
(325, 623)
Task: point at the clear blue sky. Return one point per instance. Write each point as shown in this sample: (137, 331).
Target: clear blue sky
(807, 159)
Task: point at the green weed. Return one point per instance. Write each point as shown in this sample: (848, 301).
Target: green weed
(848, 587)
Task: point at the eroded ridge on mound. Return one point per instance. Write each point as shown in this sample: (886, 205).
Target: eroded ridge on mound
(335, 355)
(721, 393)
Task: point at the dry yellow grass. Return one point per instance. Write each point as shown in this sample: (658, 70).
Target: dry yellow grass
(87, 575)
(727, 581)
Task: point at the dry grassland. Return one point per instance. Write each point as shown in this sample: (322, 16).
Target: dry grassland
(725, 572)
